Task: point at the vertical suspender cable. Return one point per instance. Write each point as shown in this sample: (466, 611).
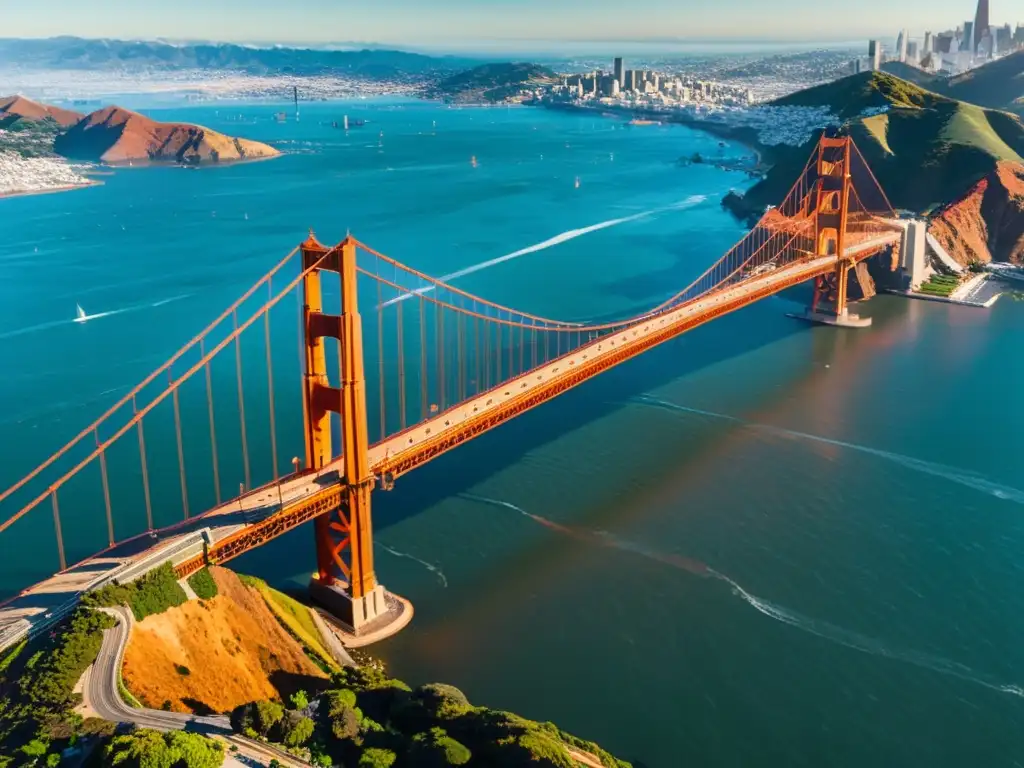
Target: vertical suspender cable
(60, 534)
(213, 428)
(497, 352)
(181, 447)
(487, 352)
(241, 401)
(401, 367)
(380, 358)
(461, 320)
(438, 314)
(270, 379)
(424, 384)
(145, 468)
(106, 489)
(522, 336)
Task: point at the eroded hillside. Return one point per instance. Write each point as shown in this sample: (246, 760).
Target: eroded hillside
(213, 655)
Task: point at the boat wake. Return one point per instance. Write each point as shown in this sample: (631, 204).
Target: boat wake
(953, 474)
(84, 318)
(432, 568)
(564, 237)
(822, 629)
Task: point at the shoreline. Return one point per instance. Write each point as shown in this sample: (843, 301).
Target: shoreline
(50, 190)
(758, 150)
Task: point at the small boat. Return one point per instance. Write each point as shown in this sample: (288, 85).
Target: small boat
(577, 182)
(472, 161)
(80, 316)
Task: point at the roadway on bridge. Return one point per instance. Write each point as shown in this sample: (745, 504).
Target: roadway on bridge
(36, 606)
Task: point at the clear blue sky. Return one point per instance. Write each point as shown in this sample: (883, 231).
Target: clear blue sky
(468, 22)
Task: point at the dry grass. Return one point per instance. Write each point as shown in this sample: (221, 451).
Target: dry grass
(295, 616)
(216, 654)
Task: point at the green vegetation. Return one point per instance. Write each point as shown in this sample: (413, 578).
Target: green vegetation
(28, 138)
(998, 84)
(849, 96)
(296, 618)
(493, 82)
(203, 585)
(369, 719)
(36, 717)
(12, 655)
(154, 593)
(939, 285)
(150, 749)
(926, 151)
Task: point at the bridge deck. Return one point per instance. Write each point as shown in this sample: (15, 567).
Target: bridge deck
(273, 509)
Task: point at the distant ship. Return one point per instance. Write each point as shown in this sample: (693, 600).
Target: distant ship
(472, 161)
(577, 182)
(80, 316)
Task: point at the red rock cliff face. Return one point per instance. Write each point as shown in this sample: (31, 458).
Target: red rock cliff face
(20, 107)
(986, 224)
(116, 135)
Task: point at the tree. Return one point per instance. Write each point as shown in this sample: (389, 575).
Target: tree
(177, 749)
(344, 722)
(299, 700)
(442, 701)
(436, 749)
(377, 758)
(297, 731)
(266, 715)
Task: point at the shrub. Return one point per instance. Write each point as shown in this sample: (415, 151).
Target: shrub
(181, 749)
(202, 584)
(442, 701)
(301, 701)
(182, 670)
(344, 722)
(297, 731)
(266, 714)
(436, 749)
(375, 757)
(151, 594)
(340, 697)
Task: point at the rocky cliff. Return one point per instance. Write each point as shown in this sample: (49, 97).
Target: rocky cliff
(115, 135)
(987, 223)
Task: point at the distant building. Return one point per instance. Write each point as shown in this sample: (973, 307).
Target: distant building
(981, 23)
(944, 42)
(927, 47)
(1004, 39)
(912, 55)
(901, 45)
(967, 41)
(620, 73)
(1018, 35)
(875, 54)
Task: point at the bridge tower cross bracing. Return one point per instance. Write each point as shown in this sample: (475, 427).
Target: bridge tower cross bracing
(345, 579)
(832, 207)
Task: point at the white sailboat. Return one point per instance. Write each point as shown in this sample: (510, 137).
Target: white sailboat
(80, 316)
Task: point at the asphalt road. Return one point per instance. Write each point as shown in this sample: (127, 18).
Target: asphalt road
(104, 698)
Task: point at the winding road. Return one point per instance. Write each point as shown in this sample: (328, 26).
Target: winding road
(102, 696)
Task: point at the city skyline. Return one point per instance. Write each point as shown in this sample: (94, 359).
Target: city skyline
(495, 24)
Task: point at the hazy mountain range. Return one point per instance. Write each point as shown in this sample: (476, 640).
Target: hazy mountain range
(79, 53)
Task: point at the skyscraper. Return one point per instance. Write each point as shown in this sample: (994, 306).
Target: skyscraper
(620, 73)
(967, 42)
(980, 23)
(927, 47)
(875, 54)
(901, 45)
(912, 54)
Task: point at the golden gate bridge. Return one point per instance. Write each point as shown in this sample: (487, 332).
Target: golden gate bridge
(439, 367)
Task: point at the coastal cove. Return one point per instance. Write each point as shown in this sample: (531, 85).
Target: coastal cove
(727, 551)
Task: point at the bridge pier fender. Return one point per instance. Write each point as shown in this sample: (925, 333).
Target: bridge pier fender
(845, 319)
(375, 616)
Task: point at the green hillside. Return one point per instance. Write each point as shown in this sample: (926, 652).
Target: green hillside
(998, 84)
(849, 96)
(926, 150)
(493, 82)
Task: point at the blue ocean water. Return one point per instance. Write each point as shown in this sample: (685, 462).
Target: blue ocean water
(760, 544)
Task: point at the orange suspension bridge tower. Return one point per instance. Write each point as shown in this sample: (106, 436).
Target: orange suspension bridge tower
(448, 367)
